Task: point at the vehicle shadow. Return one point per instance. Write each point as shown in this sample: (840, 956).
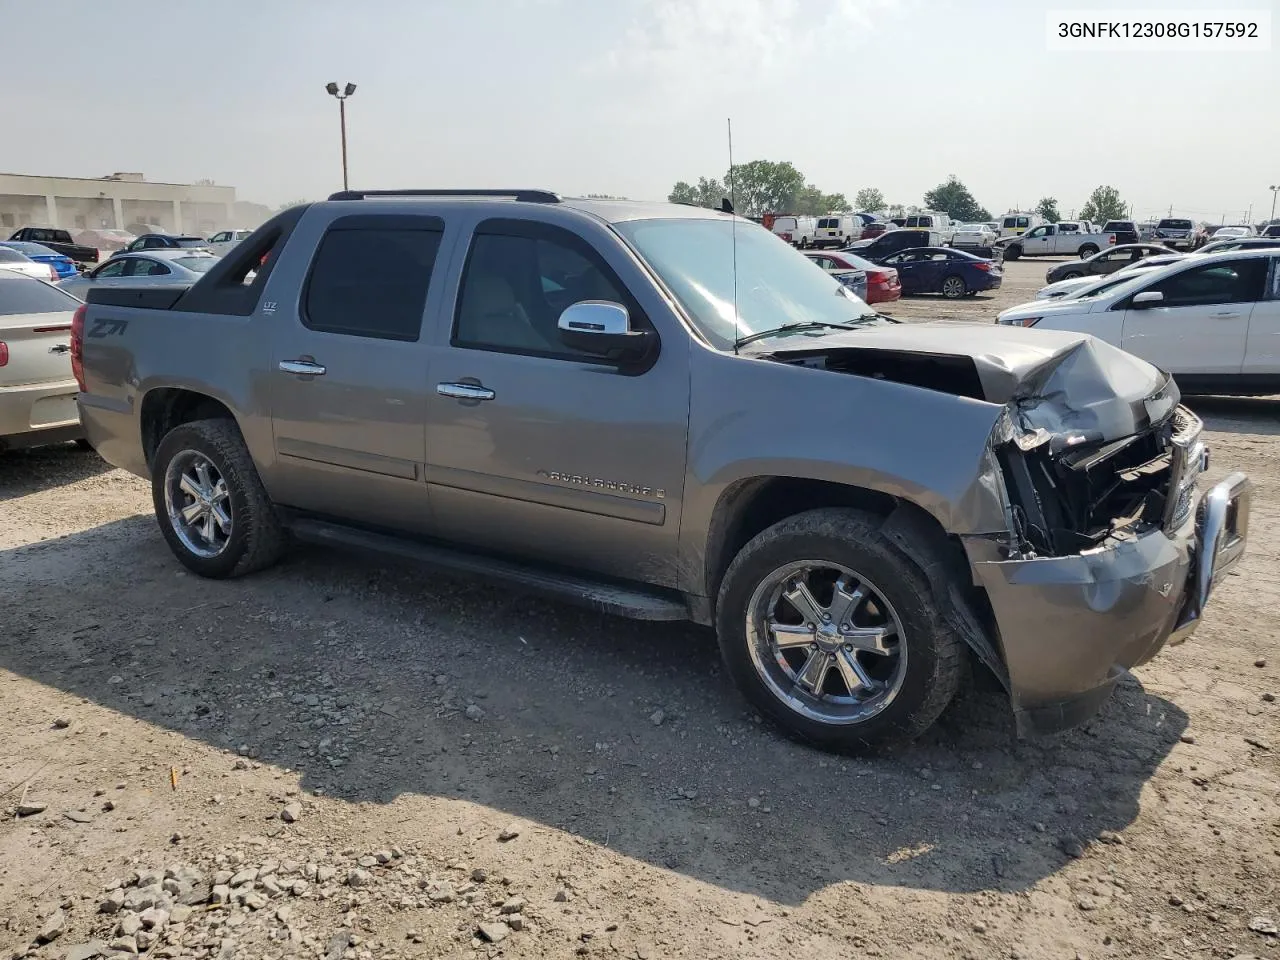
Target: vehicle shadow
(1253, 415)
(360, 675)
(42, 468)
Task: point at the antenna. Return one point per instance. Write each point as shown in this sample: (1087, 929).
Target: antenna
(733, 203)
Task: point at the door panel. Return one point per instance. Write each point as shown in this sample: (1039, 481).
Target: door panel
(1203, 323)
(349, 375)
(569, 460)
(1262, 350)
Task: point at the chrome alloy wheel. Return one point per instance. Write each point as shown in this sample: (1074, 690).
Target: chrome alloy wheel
(953, 287)
(826, 642)
(198, 503)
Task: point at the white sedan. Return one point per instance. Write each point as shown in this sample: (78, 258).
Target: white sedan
(21, 263)
(1212, 321)
(1077, 285)
(1233, 233)
(37, 386)
(973, 235)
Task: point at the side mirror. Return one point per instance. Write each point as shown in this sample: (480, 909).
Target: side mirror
(603, 328)
(1147, 299)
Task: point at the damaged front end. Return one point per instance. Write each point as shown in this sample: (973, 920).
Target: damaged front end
(1109, 552)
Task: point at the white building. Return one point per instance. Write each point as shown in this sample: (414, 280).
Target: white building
(124, 201)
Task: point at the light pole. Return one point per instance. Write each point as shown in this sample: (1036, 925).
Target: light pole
(342, 95)
(1274, 190)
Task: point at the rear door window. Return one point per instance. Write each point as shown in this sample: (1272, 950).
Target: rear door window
(370, 279)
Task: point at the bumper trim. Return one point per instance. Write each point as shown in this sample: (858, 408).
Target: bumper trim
(1224, 532)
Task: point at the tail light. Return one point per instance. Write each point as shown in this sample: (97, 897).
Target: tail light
(983, 265)
(77, 345)
(1111, 239)
(53, 274)
(4, 354)
(785, 236)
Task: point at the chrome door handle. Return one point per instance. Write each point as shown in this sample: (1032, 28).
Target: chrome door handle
(464, 391)
(1227, 314)
(303, 368)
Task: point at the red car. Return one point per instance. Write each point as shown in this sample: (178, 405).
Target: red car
(873, 230)
(882, 282)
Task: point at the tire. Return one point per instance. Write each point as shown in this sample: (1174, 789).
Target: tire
(1072, 275)
(252, 537)
(913, 682)
(954, 287)
(1088, 250)
(83, 444)
(1012, 252)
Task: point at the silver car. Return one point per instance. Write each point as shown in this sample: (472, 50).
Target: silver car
(142, 269)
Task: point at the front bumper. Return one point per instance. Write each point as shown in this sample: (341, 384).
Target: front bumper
(1070, 626)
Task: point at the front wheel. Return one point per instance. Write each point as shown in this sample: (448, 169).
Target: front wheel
(1072, 275)
(1088, 250)
(210, 503)
(953, 288)
(1012, 252)
(834, 634)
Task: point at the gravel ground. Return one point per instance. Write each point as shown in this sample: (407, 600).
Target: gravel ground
(341, 758)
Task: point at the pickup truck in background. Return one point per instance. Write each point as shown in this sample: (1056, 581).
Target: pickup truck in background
(1050, 240)
(59, 241)
(405, 374)
(1176, 234)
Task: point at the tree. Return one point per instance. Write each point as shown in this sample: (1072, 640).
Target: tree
(708, 193)
(869, 200)
(954, 199)
(1048, 208)
(1104, 204)
(291, 203)
(812, 202)
(763, 186)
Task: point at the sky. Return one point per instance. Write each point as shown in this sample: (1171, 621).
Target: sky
(626, 97)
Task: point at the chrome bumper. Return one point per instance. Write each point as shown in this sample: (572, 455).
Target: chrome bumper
(1222, 530)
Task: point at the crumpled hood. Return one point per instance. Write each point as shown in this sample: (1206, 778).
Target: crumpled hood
(1060, 386)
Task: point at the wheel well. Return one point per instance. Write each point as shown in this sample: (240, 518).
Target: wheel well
(167, 407)
(751, 506)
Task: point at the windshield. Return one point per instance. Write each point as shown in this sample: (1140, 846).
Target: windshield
(1104, 287)
(196, 264)
(29, 248)
(11, 256)
(191, 242)
(1174, 225)
(775, 284)
(23, 294)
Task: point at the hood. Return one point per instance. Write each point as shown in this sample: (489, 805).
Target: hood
(1061, 387)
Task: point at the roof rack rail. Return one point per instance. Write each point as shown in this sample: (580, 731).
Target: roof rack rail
(524, 196)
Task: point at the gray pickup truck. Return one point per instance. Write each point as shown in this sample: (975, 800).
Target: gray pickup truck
(661, 412)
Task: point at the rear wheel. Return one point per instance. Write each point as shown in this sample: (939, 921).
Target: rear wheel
(1088, 250)
(834, 634)
(210, 503)
(953, 287)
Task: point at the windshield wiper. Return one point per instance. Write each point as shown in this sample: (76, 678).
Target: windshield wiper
(803, 325)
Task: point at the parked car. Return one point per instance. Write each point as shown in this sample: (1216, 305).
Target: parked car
(837, 230)
(1175, 233)
(973, 235)
(797, 231)
(1271, 230)
(222, 242)
(952, 273)
(855, 278)
(1076, 226)
(17, 262)
(1124, 231)
(893, 241)
(1047, 240)
(1239, 243)
(1108, 261)
(850, 583)
(1210, 320)
(62, 265)
(1015, 223)
(935, 222)
(37, 389)
(873, 230)
(143, 269)
(880, 283)
(106, 238)
(164, 241)
(1073, 286)
(59, 241)
(1234, 233)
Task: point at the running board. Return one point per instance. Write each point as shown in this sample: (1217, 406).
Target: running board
(634, 602)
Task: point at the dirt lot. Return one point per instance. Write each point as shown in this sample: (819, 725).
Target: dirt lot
(372, 761)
